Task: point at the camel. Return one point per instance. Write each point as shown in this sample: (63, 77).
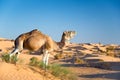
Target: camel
(36, 40)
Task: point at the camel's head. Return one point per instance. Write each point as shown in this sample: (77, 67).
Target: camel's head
(68, 35)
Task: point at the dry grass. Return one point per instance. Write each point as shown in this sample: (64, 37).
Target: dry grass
(110, 51)
(59, 56)
(79, 61)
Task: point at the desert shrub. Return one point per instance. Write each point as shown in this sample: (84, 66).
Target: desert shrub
(110, 48)
(110, 51)
(54, 69)
(67, 54)
(58, 56)
(6, 58)
(35, 62)
(42, 65)
(61, 72)
(110, 54)
(63, 55)
(80, 61)
(13, 59)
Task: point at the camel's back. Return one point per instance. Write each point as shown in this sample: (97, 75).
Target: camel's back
(35, 41)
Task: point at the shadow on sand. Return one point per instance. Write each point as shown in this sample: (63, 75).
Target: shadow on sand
(114, 76)
(113, 73)
(112, 66)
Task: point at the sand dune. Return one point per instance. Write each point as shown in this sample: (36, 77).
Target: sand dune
(5, 45)
(20, 72)
(88, 52)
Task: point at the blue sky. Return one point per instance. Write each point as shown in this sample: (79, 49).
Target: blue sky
(93, 20)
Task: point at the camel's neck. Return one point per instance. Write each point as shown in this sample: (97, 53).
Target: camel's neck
(61, 44)
(62, 39)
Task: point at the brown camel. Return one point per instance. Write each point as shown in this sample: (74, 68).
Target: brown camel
(36, 40)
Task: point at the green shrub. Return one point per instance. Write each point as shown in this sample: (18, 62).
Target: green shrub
(33, 61)
(55, 69)
(13, 59)
(61, 72)
(6, 58)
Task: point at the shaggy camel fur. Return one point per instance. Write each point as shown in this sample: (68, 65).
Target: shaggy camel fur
(35, 40)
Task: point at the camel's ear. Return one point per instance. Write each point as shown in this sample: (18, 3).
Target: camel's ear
(75, 32)
(64, 32)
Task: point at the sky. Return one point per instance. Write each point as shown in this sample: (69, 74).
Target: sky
(94, 20)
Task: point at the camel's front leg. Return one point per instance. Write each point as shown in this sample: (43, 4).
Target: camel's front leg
(45, 57)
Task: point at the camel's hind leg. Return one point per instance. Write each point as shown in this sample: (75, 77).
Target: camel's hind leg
(15, 52)
(18, 48)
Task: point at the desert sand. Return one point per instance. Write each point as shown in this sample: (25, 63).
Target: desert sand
(100, 67)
